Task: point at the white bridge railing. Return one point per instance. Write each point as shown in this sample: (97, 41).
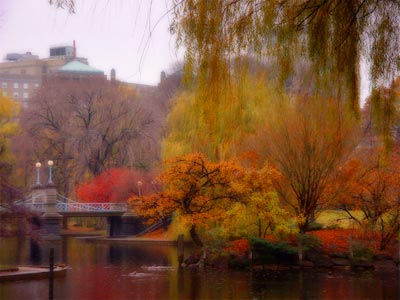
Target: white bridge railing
(95, 207)
(64, 204)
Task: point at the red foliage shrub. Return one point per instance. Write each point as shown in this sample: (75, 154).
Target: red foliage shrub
(115, 185)
(338, 240)
(334, 240)
(239, 247)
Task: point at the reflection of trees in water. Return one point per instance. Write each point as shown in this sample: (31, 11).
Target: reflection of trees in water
(214, 284)
(64, 250)
(39, 251)
(195, 285)
(313, 284)
(35, 253)
(288, 284)
(118, 254)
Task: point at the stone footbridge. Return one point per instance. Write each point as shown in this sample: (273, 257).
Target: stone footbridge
(55, 210)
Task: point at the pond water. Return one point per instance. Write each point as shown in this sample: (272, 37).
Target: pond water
(121, 271)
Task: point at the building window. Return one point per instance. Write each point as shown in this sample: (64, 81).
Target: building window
(36, 85)
(23, 71)
(4, 85)
(15, 95)
(16, 85)
(26, 85)
(26, 95)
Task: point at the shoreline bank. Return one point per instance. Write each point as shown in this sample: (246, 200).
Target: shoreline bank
(31, 272)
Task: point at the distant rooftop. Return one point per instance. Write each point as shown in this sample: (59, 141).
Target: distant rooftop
(62, 51)
(20, 56)
(79, 68)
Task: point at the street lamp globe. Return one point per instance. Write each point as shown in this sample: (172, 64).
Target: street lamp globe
(139, 185)
(38, 165)
(50, 164)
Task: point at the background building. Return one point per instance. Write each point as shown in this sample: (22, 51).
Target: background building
(22, 74)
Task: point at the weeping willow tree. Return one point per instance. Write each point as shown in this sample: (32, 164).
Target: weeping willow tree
(332, 34)
(225, 126)
(319, 44)
(330, 37)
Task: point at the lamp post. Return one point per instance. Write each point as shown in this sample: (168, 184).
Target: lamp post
(38, 165)
(139, 184)
(50, 164)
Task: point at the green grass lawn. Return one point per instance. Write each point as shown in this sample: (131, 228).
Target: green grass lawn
(336, 218)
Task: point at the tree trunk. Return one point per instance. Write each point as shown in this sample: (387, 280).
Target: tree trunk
(300, 249)
(195, 237)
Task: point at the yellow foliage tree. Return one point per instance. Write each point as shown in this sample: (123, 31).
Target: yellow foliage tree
(224, 128)
(8, 127)
(259, 211)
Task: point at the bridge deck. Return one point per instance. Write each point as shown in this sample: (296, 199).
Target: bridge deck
(71, 208)
(91, 213)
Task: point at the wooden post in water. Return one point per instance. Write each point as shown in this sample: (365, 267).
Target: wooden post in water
(181, 248)
(51, 274)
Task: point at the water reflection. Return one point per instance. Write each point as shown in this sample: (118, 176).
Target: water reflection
(119, 254)
(35, 253)
(116, 271)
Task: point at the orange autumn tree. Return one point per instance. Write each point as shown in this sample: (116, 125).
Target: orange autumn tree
(374, 190)
(307, 147)
(115, 185)
(197, 189)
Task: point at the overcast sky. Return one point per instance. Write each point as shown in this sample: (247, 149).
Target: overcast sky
(120, 34)
(110, 33)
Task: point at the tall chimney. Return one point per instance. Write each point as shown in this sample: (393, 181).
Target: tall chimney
(112, 75)
(74, 50)
(163, 76)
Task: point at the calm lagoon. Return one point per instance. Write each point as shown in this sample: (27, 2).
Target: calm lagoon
(109, 270)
